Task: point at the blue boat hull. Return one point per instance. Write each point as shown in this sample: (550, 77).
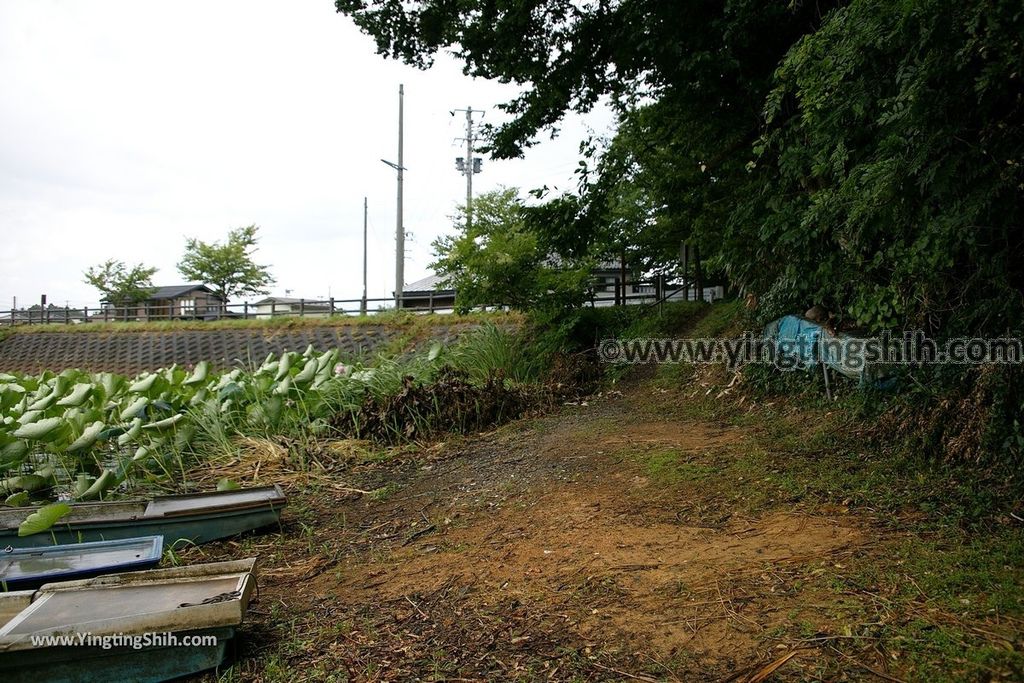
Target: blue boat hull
(29, 568)
(177, 531)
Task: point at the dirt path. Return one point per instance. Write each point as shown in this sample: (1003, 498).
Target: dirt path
(575, 546)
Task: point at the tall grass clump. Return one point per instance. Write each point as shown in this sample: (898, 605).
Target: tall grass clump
(492, 374)
(515, 354)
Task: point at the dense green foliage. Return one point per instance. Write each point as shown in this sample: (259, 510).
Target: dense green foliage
(119, 284)
(102, 430)
(229, 267)
(866, 155)
(892, 166)
(500, 260)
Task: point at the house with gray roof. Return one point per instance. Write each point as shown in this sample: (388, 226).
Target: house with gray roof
(430, 294)
(194, 301)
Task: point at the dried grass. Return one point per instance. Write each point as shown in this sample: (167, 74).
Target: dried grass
(268, 461)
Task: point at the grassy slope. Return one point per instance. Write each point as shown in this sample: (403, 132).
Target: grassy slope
(948, 600)
(280, 322)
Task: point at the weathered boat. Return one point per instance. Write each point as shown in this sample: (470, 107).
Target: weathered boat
(25, 568)
(144, 627)
(191, 518)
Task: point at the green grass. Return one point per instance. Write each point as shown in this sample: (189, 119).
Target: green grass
(514, 353)
(385, 492)
(722, 318)
(670, 318)
(938, 580)
(945, 607)
(390, 318)
(671, 466)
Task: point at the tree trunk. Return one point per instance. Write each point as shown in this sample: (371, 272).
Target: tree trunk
(698, 276)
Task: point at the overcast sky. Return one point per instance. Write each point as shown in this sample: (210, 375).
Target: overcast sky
(127, 126)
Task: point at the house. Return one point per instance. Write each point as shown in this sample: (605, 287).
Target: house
(605, 289)
(183, 301)
(428, 294)
(174, 302)
(282, 305)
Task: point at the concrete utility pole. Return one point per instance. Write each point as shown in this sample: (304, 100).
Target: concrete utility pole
(362, 308)
(469, 165)
(400, 227)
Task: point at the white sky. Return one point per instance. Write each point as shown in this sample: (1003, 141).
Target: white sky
(127, 126)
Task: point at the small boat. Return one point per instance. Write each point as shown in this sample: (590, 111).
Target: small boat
(149, 626)
(190, 518)
(25, 568)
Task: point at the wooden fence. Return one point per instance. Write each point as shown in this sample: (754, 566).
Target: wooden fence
(611, 294)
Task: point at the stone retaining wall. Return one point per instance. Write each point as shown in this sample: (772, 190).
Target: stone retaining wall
(130, 352)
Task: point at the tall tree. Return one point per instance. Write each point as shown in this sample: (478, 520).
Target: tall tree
(120, 285)
(889, 175)
(688, 79)
(864, 154)
(228, 267)
(568, 55)
(499, 260)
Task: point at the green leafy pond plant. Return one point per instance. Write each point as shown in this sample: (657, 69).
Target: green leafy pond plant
(77, 436)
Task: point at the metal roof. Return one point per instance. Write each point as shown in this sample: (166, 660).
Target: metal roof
(287, 300)
(174, 291)
(283, 300)
(431, 283)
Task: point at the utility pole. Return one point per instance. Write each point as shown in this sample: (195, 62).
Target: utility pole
(469, 165)
(400, 227)
(362, 308)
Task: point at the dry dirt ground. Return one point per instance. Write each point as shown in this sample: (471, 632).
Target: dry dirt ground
(574, 546)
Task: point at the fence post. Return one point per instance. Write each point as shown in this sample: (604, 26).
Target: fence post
(245, 311)
(273, 309)
(302, 308)
(430, 301)
(331, 314)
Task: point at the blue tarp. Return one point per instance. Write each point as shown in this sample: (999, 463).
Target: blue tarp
(802, 343)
